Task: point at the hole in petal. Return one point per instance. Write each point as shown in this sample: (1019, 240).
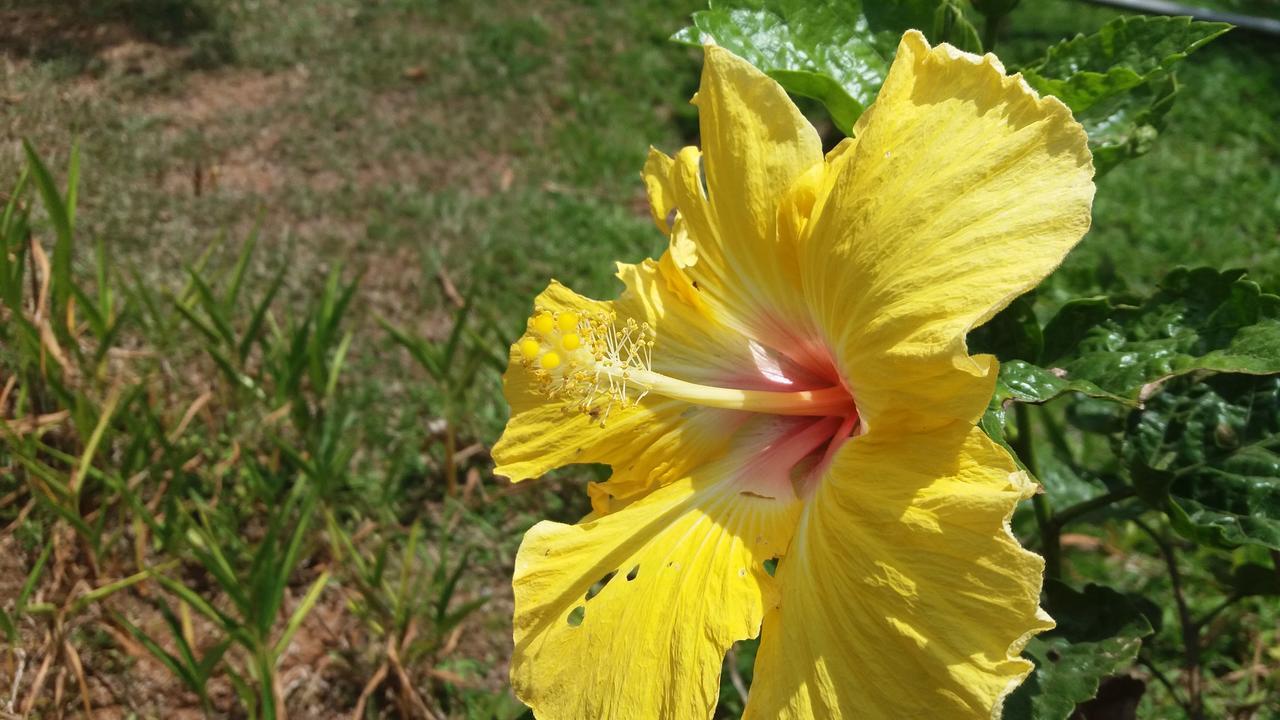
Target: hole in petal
(595, 589)
(576, 615)
(634, 572)
(771, 566)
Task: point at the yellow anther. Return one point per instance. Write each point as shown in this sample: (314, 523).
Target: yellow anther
(530, 348)
(550, 361)
(568, 322)
(571, 341)
(544, 323)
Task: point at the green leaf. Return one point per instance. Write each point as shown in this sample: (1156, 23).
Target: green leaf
(1255, 580)
(993, 424)
(1199, 320)
(822, 50)
(1126, 126)
(1208, 454)
(1118, 81)
(1013, 334)
(1099, 634)
(1021, 381)
(834, 52)
(1127, 52)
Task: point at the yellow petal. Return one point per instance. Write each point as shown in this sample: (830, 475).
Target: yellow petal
(655, 441)
(656, 458)
(657, 184)
(903, 593)
(685, 580)
(543, 434)
(963, 191)
(756, 143)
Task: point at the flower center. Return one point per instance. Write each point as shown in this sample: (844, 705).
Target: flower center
(593, 361)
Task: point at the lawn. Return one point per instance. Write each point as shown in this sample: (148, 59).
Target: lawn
(320, 226)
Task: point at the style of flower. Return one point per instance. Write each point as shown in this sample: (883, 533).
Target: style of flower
(789, 408)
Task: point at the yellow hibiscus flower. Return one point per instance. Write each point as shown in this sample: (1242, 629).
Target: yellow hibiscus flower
(790, 382)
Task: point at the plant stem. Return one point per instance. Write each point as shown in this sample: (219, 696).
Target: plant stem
(450, 467)
(1190, 630)
(1228, 602)
(1050, 540)
(1155, 672)
(991, 31)
(1075, 512)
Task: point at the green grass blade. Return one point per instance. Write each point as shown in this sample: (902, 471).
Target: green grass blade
(259, 315)
(33, 577)
(335, 369)
(89, 305)
(10, 630)
(451, 585)
(456, 334)
(56, 207)
(212, 308)
(109, 589)
(418, 349)
(199, 604)
(104, 286)
(91, 447)
(12, 236)
(73, 184)
(407, 570)
(291, 555)
(196, 322)
(232, 295)
(173, 664)
(300, 613)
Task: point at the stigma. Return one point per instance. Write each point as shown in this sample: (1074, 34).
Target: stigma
(597, 365)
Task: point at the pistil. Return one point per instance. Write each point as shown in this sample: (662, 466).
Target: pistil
(833, 400)
(599, 365)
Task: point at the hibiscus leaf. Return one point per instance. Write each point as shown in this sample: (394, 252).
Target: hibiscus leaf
(1207, 453)
(1124, 127)
(1021, 381)
(1015, 337)
(1118, 81)
(821, 50)
(1199, 320)
(1013, 334)
(1255, 579)
(993, 424)
(1125, 53)
(834, 52)
(1099, 634)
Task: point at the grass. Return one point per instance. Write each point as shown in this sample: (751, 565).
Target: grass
(309, 409)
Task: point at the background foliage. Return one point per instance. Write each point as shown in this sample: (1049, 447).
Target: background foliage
(261, 261)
